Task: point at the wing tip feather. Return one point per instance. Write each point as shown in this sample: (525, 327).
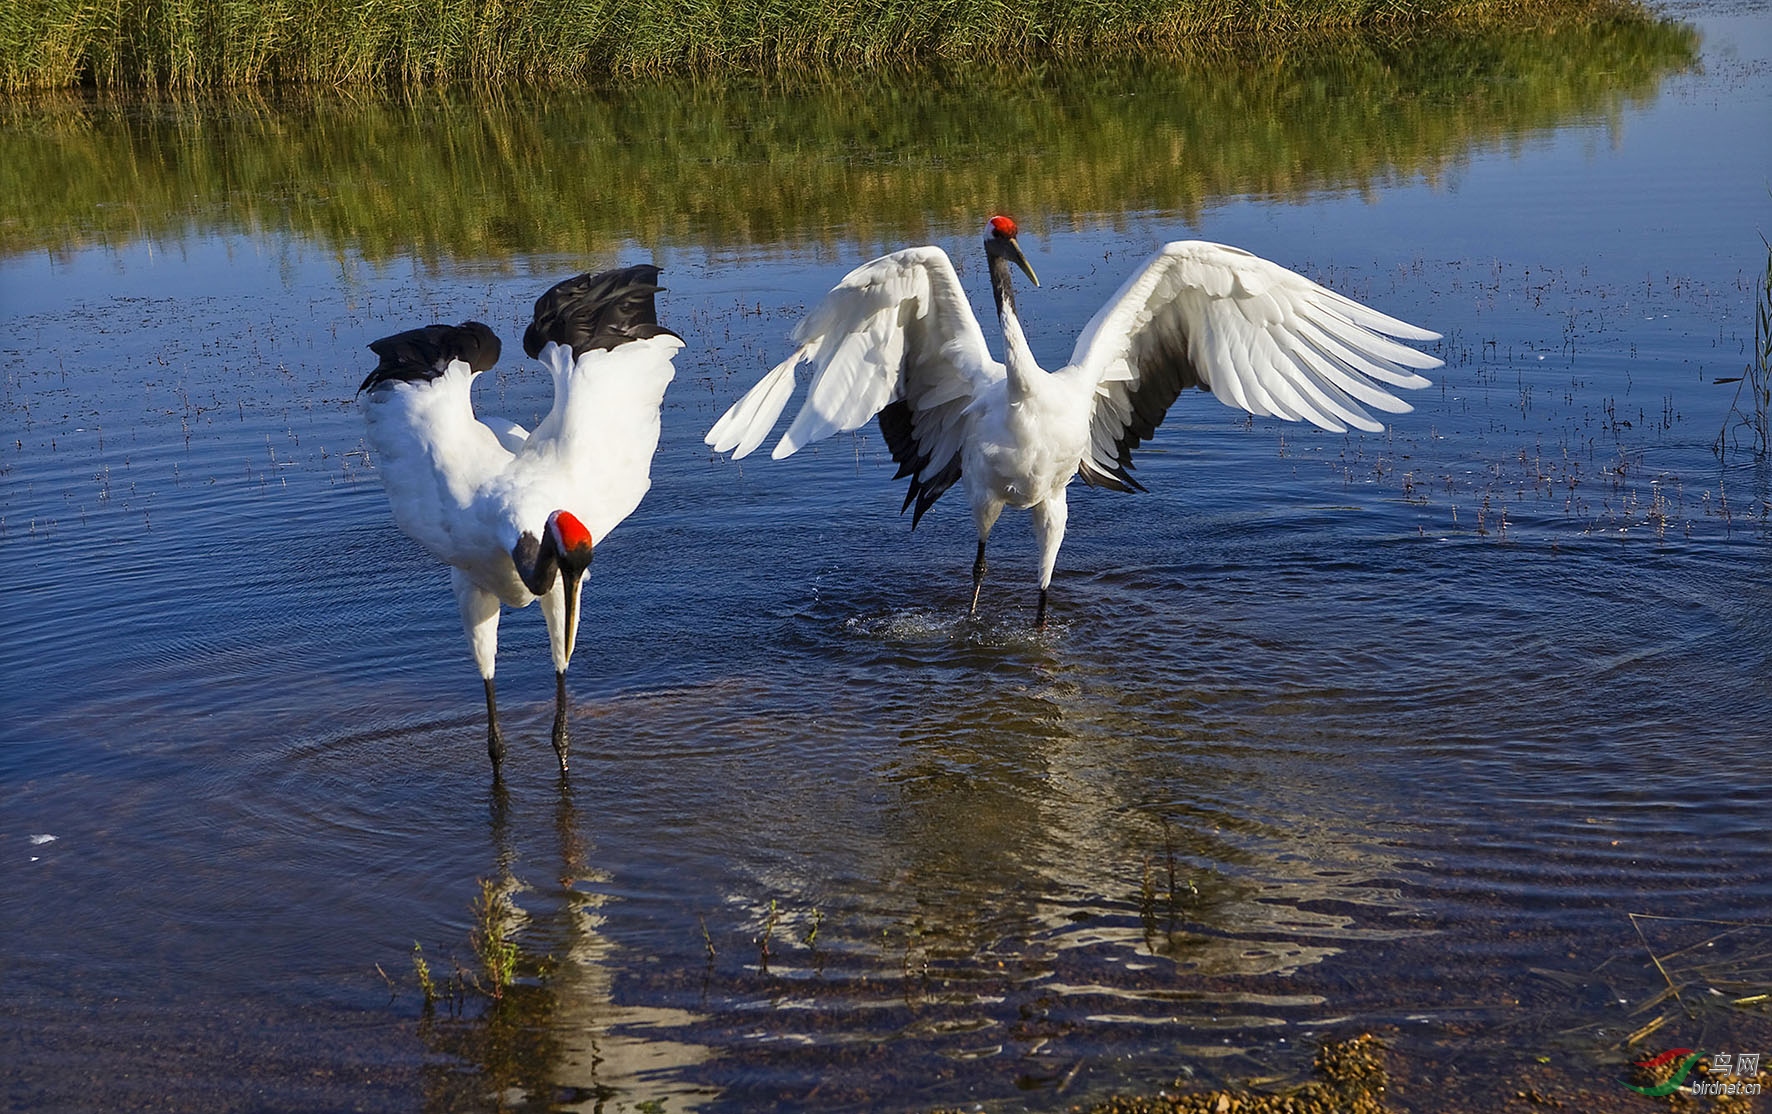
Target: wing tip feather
(748, 421)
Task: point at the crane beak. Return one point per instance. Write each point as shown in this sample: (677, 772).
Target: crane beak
(571, 580)
(1022, 262)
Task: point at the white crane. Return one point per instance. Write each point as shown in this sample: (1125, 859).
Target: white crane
(896, 338)
(513, 513)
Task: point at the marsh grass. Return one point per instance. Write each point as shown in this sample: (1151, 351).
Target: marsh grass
(211, 43)
(1752, 415)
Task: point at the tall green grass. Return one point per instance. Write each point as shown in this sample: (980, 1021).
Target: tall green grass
(212, 43)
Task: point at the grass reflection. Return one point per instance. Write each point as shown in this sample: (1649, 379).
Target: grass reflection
(746, 162)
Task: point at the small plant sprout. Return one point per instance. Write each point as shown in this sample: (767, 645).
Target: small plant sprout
(422, 969)
(768, 931)
(493, 921)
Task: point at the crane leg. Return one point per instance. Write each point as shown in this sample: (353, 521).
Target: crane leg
(1049, 521)
(495, 740)
(479, 618)
(978, 567)
(985, 509)
(561, 740)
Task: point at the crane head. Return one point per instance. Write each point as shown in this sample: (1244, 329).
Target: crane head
(571, 542)
(564, 550)
(1000, 242)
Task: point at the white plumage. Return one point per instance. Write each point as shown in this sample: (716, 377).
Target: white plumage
(515, 514)
(898, 339)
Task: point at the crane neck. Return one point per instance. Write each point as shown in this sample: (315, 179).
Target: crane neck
(537, 561)
(1018, 357)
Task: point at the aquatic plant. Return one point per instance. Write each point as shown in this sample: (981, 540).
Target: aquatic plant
(494, 920)
(1755, 413)
(427, 985)
(763, 938)
(209, 43)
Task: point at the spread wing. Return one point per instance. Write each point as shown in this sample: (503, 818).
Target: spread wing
(592, 454)
(1255, 334)
(896, 338)
(599, 337)
(433, 456)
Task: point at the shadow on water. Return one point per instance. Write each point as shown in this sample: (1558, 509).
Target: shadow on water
(744, 163)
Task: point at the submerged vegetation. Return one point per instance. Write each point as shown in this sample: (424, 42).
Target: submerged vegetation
(1747, 427)
(494, 921)
(1350, 1078)
(210, 43)
(804, 161)
(1750, 419)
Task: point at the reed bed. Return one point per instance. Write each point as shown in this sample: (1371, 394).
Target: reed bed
(198, 44)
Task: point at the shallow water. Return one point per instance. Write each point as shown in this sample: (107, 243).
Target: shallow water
(1330, 733)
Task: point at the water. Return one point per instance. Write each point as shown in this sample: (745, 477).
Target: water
(1329, 734)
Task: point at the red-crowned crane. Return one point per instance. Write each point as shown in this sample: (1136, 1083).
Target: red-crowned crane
(515, 514)
(896, 338)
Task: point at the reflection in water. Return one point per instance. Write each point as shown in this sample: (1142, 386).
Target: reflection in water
(555, 1036)
(746, 163)
(605, 1047)
(1028, 894)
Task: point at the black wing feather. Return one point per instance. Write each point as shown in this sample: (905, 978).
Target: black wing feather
(1162, 371)
(898, 427)
(597, 311)
(420, 355)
